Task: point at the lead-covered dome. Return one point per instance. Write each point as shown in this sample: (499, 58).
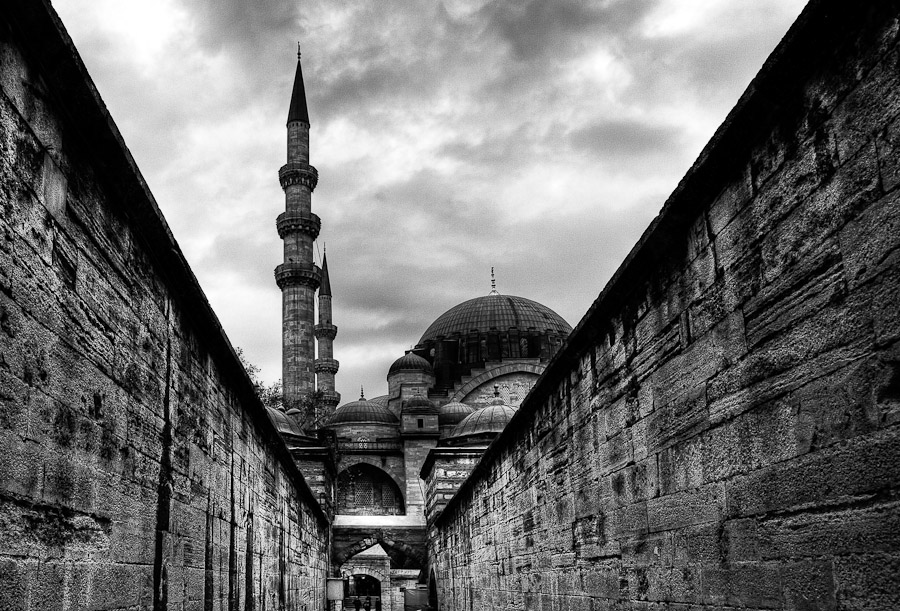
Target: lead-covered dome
(410, 362)
(497, 312)
(452, 414)
(362, 411)
(419, 405)
(491, 419)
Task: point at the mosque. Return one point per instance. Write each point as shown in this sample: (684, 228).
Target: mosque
(373, 462)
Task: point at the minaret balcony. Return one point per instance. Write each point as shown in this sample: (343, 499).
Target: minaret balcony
(298, 173)
(298, 222)
(326, 366)
(292, 273)
(330, 398)
(325, 331)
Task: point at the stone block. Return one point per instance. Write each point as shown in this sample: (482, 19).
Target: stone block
(688, 508)
(753, 585)
(697, 545)
(867, 581)
(682, 376)
(869, 243)
(14, 584)
(837, 407)
(671, 423)
(764, 435)
(837, 473)
(881, 296)
(731, 200)
(841, 532)
(864, 111)
(781, 303)
(630, 521)
(680, 467)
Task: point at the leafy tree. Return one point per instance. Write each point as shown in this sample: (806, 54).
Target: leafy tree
(272, 396)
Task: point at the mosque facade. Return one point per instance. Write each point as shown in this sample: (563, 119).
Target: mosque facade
(381, 467)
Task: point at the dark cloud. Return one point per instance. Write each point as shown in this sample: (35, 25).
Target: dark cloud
(625, 138)
(538, 29)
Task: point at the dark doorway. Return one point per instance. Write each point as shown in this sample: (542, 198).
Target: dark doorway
(432, 592)
(365, 585)
(363, 589)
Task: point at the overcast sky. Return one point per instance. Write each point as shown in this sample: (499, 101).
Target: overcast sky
(536, 136)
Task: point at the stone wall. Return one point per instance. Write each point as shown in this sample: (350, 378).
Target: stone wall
(721, 429)
(138, 468)
(444, 471)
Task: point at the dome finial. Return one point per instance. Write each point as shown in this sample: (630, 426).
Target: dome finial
(493, 283)
(362, 395)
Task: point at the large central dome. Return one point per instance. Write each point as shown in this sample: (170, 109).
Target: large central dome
(496, 312)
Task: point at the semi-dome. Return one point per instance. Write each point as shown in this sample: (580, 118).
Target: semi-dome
(495, 311)
(453, 413)
(419, 405)
(410, 362)
(490, 419)
(362, 411)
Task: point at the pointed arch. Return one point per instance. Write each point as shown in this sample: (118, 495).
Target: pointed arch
(392, 545)
(364, 489)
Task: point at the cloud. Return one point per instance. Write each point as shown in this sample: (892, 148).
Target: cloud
(544, 30)
(536, 137)
(625, 138)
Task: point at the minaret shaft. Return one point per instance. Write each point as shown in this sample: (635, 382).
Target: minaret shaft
(326, 365)
(298, 277)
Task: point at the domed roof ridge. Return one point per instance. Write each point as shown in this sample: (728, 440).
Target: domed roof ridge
(453, 413)
(362, 411)
(490, 419)
(496, 311)
(419, 405)
(411, 362)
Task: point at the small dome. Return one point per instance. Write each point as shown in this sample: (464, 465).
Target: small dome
(284, 423)
(491, 419)
(419, 405)
(411, 362)
(454, 413)
(362, 411)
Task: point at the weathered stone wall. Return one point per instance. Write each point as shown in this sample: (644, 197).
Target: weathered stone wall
(138, 469)
(444, 472)
(721, 429)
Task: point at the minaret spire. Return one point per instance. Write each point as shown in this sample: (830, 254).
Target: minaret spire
(298, 277)
(298, 110)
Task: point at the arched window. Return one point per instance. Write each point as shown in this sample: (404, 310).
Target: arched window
(367, 490)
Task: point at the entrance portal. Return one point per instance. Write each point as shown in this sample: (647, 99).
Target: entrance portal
(365, 585)
(363, 592)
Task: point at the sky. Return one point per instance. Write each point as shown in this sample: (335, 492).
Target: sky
(536, 137)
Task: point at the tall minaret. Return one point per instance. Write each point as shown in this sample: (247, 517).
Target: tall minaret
(325, 332)
(298, 277)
